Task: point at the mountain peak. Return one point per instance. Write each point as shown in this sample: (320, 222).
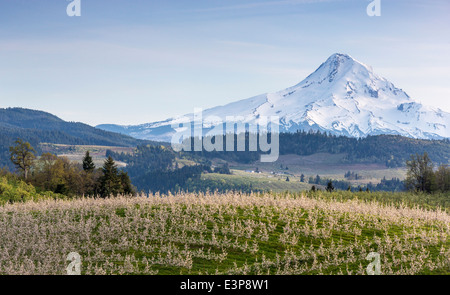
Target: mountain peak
(339, 66)
(343, 96)
(338, 59)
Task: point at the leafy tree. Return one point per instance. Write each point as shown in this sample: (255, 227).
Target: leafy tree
(287, 179)
(88, 164)
(302, 178)
(59, 175)
(420, 176)
(443, 178)
(49, 172)
(22, 156)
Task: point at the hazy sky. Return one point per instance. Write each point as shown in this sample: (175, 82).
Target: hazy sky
(138, 61)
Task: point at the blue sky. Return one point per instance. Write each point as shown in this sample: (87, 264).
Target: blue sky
(138, 61)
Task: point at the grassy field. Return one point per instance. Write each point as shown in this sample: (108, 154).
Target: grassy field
(327, 166)
(261, 181)
(231, 233)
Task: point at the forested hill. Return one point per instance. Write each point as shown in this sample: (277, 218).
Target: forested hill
(37, 126)
(391, 150)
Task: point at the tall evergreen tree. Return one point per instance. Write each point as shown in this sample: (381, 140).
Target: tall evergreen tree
(88, 164)
(127, 187)
(110, 182)
(330, 186)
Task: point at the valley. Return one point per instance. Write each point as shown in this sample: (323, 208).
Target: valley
(259, 176)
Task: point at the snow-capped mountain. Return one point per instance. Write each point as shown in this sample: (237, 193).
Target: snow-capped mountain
(343, 96)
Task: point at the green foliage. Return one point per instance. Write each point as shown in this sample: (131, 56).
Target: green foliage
(22, 156)
(62, 176)
(113, 182)
(391, 150)
(146, 158)
(224, 169)
(13, 190)
(330, 186)
(389, 185)
(393, 185)
(126, 187)
(182, 179)
(88, 164)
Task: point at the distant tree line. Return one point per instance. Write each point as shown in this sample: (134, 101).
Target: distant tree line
(388, 185)
(422, 176)
(352, 176)
(145, 159)
(390, 150)
(393, 185)
(164, 181)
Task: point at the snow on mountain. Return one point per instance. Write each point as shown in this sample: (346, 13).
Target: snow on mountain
(343, 97)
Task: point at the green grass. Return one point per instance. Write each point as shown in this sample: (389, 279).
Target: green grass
(330, 166)
(263, 181)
